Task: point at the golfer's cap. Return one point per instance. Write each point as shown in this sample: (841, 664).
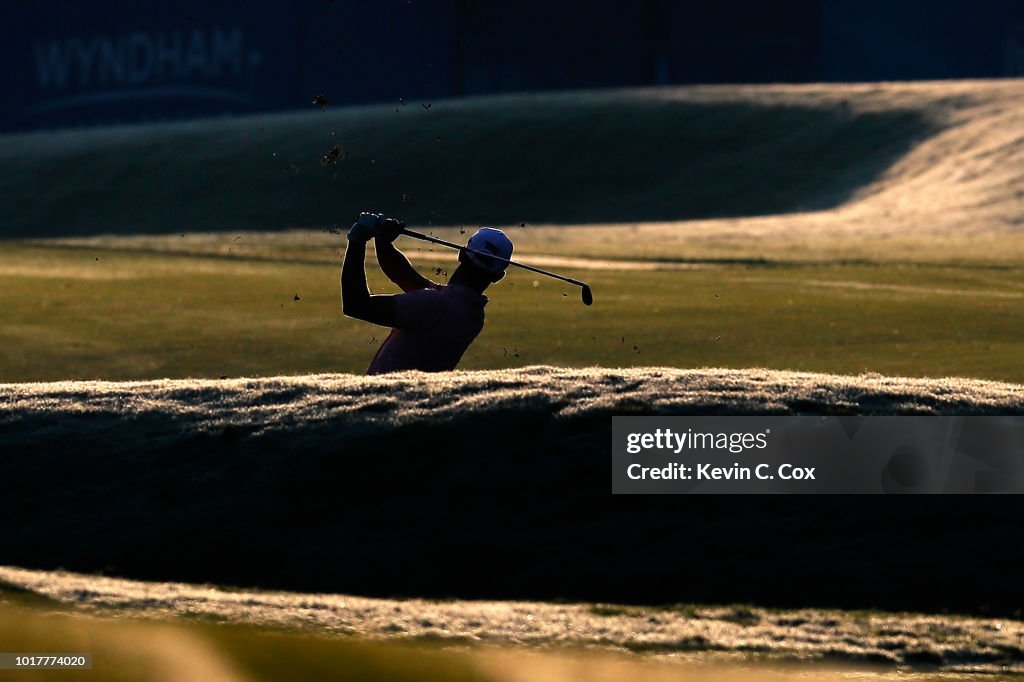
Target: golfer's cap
(489, 240)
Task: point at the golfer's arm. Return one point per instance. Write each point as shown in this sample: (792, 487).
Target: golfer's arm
(398, 269)
(356, 300)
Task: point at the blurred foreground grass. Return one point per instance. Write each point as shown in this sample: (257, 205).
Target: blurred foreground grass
(118, 308)
(132, 649)
(124, 650)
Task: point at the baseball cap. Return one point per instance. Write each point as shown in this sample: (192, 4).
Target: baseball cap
(489, 240)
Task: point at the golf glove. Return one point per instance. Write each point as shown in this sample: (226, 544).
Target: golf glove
(365, 228)
(388, 230)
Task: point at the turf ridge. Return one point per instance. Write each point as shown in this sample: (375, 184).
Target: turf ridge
(478, 484)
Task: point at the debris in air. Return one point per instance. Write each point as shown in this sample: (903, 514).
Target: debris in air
(426, 107)
(320, 101)
(337, 152)
(406, 198)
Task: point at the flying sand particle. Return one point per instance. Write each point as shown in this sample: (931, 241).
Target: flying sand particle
(336, 152)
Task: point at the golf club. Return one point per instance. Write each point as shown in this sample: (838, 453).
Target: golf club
(588, 296)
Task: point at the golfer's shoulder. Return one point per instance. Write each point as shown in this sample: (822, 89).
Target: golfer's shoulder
(433, 295)
(464, 295)
(445, 295)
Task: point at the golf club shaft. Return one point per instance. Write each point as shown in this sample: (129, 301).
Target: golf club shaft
(452, 245)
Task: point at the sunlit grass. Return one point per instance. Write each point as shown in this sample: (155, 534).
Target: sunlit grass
(130, 649)
(100, 313)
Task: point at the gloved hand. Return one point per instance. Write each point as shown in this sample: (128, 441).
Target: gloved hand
(388, 230)
(365, 227)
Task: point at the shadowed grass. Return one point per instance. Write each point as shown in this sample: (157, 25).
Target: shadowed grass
(342, 483)
(578, 157)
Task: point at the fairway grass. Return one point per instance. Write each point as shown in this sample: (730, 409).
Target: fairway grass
(121, 309)
(828, 228)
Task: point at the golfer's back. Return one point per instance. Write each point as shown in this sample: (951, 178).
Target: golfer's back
(434, 327)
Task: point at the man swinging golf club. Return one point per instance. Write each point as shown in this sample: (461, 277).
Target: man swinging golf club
(431, 324)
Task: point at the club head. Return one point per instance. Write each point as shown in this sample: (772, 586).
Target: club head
(588, 295)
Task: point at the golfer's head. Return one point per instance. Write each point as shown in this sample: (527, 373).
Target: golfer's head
(488, 240)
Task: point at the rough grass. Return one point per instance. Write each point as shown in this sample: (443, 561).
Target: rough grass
(477, 484)
(130, 649)
(951, 644)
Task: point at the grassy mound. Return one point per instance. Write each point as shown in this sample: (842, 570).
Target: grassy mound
(131, 649)
(477, 484)
(566, 158)
(686, 632)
